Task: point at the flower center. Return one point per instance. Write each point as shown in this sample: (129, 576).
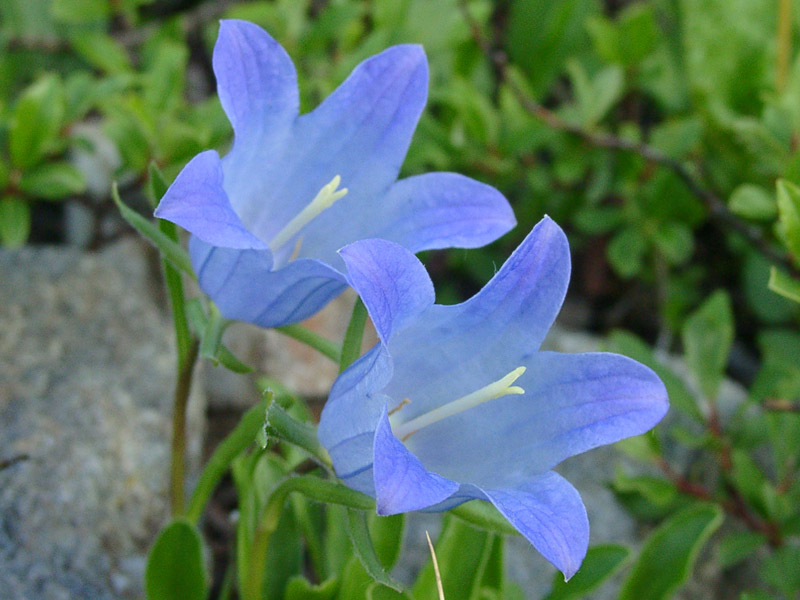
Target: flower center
(497, 389)
(324, 199)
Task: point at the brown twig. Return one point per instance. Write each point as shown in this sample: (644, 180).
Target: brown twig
(5, 463)
(734, 506)
(718, 210)
(781, 405)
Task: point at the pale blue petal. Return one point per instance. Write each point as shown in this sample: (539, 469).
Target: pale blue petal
(469, 345)
(572, 403)
(402, 483)
(197, 202)
(391, 281)
(245, 288)
(442, 210)
(256, 80)
(350, 416)
(549, 512)
(361, 132)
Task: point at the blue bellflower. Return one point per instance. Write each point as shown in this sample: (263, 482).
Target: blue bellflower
(457, 402)
(267, 219)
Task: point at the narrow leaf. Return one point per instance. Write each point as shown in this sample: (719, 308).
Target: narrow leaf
(783, 284)
(483, 515)
(365, 551)
(237, 441)
(168, 247)
(601, 562)
(668, 557)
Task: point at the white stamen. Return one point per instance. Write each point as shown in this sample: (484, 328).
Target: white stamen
(324, 199)
(501, 387)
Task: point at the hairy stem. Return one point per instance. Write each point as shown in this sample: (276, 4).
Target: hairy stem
(177, 471)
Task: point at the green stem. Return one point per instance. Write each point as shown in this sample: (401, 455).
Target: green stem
(283, 426)
(236, 442)
(351, 347)
(178, 449)
(311, 487)
(314, 340)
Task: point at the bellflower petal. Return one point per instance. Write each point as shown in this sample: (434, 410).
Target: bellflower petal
(197, 202)
(549, 512)
(278, 189)
(476, 411)
(390, 280)
(492, 332)
(572, 403)
(256, 80)
(402, 484)
(246, 288)
(439, 210)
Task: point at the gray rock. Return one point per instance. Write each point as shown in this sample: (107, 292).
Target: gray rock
(87, 366)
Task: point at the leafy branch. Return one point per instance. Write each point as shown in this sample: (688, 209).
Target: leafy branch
(718, 210)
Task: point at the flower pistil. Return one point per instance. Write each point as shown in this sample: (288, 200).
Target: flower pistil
(497, 389)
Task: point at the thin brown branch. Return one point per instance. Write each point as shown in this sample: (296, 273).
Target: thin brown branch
(718, 210)
(5, 463)
(781, 405)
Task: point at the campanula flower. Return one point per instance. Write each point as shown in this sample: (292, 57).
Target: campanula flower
(267, 219)
(457, 402)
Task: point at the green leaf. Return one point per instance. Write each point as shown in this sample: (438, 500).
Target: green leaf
(168, 247)
(678, 136)
(559, 33)
(783, 284)
(156, 184)
(52, 181)
(358, 531)
(736, 547)
(78, 12)
(299, 588)
(483, 515)
(36, 121)
(376, 591)
(626, 252)
(284, 560)
(707, 338)
(668, 557)
(463, 554)
(782, 570)
(675, 242)
(15, 221)
(789, 215)
(753, 202)
(175, 568)
(234, 444)
(355, 581)
(212, 334)
(387, 537)
(601, 562)
(101, 51)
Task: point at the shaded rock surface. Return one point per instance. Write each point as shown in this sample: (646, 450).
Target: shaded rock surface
(87, 365)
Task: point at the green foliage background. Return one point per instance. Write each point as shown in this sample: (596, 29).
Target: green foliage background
(661, 134)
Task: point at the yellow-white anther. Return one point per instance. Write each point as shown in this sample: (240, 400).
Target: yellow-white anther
(324, 199)
(501, 387)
